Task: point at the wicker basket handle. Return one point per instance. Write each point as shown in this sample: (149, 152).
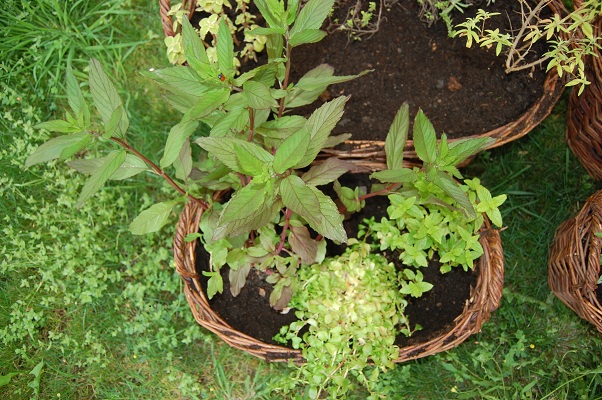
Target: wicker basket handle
(165, 6)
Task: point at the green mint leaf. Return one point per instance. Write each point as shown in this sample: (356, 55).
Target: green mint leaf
(54, 148)
(75, 97)
(208, 103)
(425, 138)
(233, 121)
(152, 219)
(224, 150)
(131, 166)
(336, 140)
(105, 96)
(115, 124)
(58, 125)
(307, 36)
(311, 16)
(249, 163)
(178, 134)
(321, 122)
(98, 178)
(215, 284)
(320, 77)
(272, 11)
(453, 190)
(291, 151)
(404, 175)
(460, 150)
(278, 130)
(326, 172)
(183, 163)
(397, 137)
(225, 49)
(258, 95)
(193, 46)
(180, 80)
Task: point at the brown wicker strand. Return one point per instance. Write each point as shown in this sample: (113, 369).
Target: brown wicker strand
(574, 264)
(166, 20)
(485, 298)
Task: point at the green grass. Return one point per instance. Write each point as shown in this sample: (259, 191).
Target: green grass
(102, 312)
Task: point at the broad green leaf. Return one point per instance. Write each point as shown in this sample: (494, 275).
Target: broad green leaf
(249, 163)
(449, 186)
(193, 46)
(315, 207)
(321, 122)
(233, 121)
(404, 175)
(311, 16)
(224, 150)
(281, 128)
(118, 121)
(324, 77)
(460, 150)
(225, 49)
(152, 219)
(307, 36)
(183, 163)
(396, 138)
(175, 140)
(326, 172)
(179, 80)
(336, 140)
(98, 178)
(58, 125)
(264, 74)
(291, 151)
(105, 96)
(247, 210)
(215, 284)
(75, 97)
(425, 138)
(272, 11)
(267, 31)
(258, 95)
(54, 148)
(35, 383)
(131, 166)
(208, 103)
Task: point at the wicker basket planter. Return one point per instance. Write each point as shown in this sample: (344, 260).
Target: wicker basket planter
(484, 299)
(584, 119)
(370, 154)
(574, 264)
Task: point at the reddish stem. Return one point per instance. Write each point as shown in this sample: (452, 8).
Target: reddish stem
(287, 218)
(160, 172)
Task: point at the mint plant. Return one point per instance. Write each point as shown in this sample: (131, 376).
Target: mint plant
(254, 178)
(351, 307)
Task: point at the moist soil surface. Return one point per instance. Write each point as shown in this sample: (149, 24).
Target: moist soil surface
(462, 91)
(435, 311)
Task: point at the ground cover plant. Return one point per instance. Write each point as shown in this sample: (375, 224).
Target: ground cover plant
(51, 347)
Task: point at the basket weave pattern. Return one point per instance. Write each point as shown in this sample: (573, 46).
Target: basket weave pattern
(371, 154)
(484, 299)
(574, 264)
(584, 118)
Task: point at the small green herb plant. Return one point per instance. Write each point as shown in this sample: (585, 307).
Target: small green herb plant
(352, 306)
(235, 152)
(570, 38)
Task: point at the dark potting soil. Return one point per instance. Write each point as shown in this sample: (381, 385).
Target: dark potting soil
(435, 311)
(462, 91)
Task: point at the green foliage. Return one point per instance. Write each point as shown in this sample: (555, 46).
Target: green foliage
(252, 149)
(570, 39)
(352, 310)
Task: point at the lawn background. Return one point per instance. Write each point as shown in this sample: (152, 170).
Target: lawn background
(89, 311)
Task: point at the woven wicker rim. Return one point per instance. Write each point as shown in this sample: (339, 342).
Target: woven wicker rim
(484, 298)
(574, 264)
(584, 116)
(371, 154)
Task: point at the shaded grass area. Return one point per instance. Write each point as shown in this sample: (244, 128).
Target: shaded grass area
(102, 312)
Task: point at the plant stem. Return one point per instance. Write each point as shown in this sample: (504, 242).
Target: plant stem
(287, 218)
(286, 77)
(160, 172)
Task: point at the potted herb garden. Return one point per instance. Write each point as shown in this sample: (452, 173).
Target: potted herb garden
(418, 62)
(335, 265)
